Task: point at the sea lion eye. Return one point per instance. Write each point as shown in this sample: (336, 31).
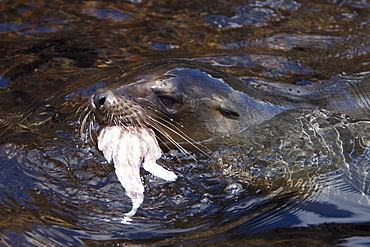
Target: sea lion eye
(167, 101)
(228, 113)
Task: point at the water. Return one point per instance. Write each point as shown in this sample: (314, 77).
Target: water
(297, 179)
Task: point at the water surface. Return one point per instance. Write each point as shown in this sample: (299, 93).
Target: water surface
(301, 178)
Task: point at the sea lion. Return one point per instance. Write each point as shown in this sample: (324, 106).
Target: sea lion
(191, 102)
(182, 102)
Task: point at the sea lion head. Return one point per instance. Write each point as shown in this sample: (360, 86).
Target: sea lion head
(184, 100)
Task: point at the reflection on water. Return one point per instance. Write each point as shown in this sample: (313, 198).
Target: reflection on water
(300, 178)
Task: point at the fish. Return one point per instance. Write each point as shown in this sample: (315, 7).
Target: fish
(130, 148)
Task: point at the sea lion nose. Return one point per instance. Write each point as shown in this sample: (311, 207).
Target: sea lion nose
(99, 99)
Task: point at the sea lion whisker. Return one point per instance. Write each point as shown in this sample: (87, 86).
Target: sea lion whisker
(111, 119)
(91, 125)
(155, 124)
(86, 105)
(83, 116)
(87, 110)
(177, 145)
(162, 116)
(138, 120)
(162, 141)
(83, 123)
(158, 112)
(180, 134)
(116, 121)
(172, 125)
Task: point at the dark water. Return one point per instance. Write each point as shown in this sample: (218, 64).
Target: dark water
(299, 179)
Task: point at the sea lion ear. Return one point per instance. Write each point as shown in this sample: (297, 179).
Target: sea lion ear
(228, 112)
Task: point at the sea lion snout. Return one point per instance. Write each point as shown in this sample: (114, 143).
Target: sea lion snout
(112, 107)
